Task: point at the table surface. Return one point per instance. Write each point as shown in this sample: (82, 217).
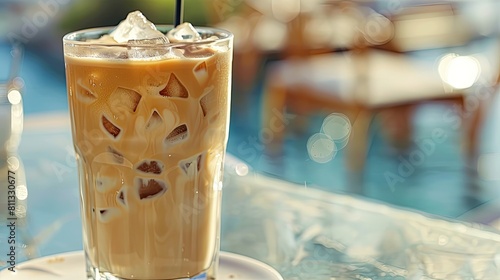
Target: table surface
(392, 78)
(304, 233)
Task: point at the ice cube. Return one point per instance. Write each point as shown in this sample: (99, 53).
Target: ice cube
(103, 183)
(110, 128)
(198, 52)
(187, 165)
(117, 157)
(184, 32)
(135, 27)
(152, 41)
(208, 102)
(105, 51)
(123, 101)
(106, 178)
(174, 88)
(84, 94)
(141, 48)
(201, 73)
(150, 166)
(178, 134)
(149, 188)
(154, 121)
(104, 39)
(107, 214)
(112, 158)
(120, 197)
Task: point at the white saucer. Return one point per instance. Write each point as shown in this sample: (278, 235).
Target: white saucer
(72, 266)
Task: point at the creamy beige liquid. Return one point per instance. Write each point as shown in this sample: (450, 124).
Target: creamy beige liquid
(150, 139)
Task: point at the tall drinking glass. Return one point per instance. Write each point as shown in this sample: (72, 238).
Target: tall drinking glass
(150, 126)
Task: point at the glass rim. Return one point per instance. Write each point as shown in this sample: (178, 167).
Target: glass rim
(70, 38)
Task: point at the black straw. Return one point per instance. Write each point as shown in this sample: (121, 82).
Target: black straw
(179, 12)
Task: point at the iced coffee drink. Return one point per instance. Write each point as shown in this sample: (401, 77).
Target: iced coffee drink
(150, 117)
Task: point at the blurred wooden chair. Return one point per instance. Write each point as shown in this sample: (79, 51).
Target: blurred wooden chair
(365, 81)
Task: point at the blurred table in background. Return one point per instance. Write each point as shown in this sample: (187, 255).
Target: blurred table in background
(362, 84)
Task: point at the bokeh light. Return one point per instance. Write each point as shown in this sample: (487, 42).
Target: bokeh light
(321, 148)
(285, 10)
(460, 72)
(270, 34)
(21, 192)
(378, 29)
(13, 163)
(338, 128)
(20, 211)
(241, 169)
(14, 97)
